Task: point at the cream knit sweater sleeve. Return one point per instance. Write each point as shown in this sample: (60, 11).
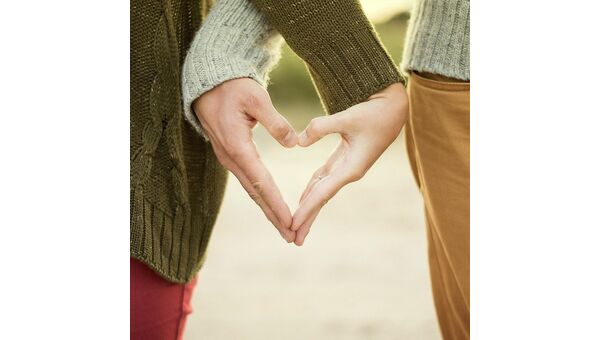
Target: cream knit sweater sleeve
(235, 41)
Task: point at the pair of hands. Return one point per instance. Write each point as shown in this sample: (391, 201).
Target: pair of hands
(229, 112)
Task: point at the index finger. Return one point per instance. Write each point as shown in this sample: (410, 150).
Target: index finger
(320, 194)
(287, 234)
(248, 161)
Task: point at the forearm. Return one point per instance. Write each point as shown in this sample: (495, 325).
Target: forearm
(235, 41)
(344, 55)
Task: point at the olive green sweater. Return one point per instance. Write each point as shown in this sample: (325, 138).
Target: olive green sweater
(341, 49)
(176, 183)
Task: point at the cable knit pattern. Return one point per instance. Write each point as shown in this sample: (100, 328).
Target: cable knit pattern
(235, 41)
(176, 182)
(438, 39)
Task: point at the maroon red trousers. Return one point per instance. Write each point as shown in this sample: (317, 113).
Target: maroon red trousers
(158, 308)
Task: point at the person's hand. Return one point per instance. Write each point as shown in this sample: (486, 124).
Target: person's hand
(228, 113)
(366, 130)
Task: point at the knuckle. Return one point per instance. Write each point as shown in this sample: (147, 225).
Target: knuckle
(254, 196)
(316, 126)
(321, 172)
(236, 152)
(344, 120)
(232, 147)
(253, 99)
(313, 125)
(249, 100)
(258, 187)
(355, 175)
(279, 128)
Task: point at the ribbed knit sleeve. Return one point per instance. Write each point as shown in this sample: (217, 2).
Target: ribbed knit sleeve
(339, 45)
(438, 38)
(235, 41)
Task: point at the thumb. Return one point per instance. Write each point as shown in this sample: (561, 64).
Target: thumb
(320, 127)
(277, 126)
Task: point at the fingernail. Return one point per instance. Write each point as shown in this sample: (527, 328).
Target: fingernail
(302, 138)
(291, 139)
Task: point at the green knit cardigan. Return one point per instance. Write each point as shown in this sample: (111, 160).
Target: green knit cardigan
(176, 183)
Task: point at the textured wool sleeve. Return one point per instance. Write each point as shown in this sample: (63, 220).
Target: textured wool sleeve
(235, 41)
(347, 61)
(439, 44)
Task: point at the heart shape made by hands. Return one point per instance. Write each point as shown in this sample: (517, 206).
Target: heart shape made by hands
(230, 111)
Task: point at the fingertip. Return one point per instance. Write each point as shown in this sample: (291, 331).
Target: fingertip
(296, 222)
(287, 235)
(291, 139)
(289, 238)
(285, 220)
(300, 237)
(303, 139)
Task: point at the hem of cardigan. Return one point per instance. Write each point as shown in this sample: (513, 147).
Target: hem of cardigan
(161, 272)
(137, 251)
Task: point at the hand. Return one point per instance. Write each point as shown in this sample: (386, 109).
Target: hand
(367, 129)
(228, 113)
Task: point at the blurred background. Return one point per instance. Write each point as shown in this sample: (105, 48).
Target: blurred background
(362, 272)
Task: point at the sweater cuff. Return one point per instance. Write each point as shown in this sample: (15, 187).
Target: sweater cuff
(350, 69)
(338, 42)
(193, 85)
(235, 41)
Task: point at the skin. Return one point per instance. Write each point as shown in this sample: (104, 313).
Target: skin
(366, 130)
(230, 111)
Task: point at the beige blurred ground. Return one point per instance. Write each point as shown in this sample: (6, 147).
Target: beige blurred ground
(362, 273)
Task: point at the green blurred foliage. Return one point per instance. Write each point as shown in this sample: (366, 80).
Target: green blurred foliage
(292, 90)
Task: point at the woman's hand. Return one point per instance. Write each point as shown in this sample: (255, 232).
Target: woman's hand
(367, 129)
(228, 113)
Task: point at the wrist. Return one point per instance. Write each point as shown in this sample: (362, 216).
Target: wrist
(236, 41)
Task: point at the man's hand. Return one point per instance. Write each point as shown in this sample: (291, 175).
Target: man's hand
(367, 129)
(228, 113)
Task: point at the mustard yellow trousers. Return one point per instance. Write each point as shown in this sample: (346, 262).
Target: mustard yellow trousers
(437, 139)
